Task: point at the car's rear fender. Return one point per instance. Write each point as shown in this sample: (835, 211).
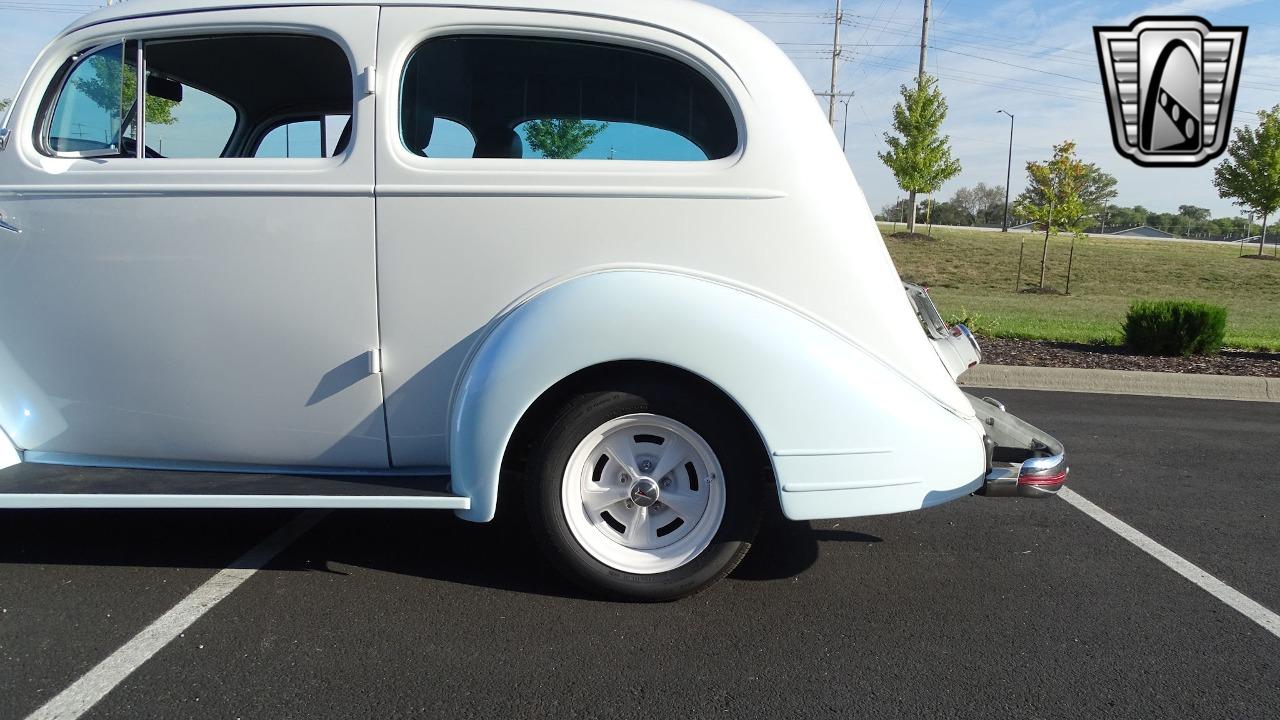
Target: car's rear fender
(846, 434)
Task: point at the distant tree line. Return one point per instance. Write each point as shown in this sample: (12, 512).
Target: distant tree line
(1190, 222)
(983, 205)
(977, 206)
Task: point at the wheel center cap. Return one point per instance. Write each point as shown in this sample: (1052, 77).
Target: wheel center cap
(644, 493)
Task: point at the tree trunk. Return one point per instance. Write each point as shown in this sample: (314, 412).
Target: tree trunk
(1044, 257)
(911, 219)
(1262, 240)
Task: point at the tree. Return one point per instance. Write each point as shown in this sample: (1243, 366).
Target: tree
(1193, 213)
(109, 91)
(978, 201)
(562, 139)
(4, 103)
(1250, 176)
(1052, 198)
(1097, 189)
(966, 198)
(919, 157)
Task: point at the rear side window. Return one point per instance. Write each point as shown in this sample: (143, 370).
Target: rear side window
(559, 99)
(206, 97)
(315, 137)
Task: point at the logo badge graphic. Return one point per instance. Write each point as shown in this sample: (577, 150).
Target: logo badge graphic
(1171, 88)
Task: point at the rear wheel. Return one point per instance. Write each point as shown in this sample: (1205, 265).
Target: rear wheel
(648, 493)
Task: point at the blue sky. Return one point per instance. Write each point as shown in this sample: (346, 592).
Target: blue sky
(1034, 58)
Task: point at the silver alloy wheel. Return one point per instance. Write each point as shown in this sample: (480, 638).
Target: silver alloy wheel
(643, 494)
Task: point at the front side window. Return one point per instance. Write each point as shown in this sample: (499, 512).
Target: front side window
(88, 118)
(560, 99)
(206, 97)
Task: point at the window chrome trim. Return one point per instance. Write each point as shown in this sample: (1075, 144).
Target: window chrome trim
(4, 138)
(140, 106)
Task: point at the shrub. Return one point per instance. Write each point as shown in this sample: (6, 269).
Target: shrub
(1175, 327)
(977, 322)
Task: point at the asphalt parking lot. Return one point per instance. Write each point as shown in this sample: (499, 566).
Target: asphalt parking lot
(980, 608)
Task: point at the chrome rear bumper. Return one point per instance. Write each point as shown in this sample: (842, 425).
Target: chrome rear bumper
(1022, 460)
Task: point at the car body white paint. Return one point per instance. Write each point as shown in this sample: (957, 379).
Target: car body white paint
(154, 312)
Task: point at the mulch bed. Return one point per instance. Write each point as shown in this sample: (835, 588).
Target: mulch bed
(1035, 353)
(913, 237)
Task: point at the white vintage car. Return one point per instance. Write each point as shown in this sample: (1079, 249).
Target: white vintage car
(395, 254)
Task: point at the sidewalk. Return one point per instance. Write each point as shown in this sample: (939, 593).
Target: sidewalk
(1124, 382)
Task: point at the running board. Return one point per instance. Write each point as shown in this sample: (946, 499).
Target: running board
(40, 486)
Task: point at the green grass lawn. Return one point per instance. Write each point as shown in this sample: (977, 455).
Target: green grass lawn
(971, 275)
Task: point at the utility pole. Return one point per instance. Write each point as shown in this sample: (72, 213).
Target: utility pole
(924, 44)
(835, 65)
(924, 39)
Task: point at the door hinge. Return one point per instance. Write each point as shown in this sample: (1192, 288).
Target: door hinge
(368, 81)
(375, 362)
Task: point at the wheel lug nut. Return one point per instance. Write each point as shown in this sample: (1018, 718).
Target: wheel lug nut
(626, 479)
(666, 482)
(646, 465)
(630, 504)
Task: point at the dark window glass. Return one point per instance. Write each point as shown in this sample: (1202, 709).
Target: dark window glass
(541, 98)
(207, 97)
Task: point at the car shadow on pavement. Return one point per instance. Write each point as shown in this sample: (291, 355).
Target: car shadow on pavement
(133, 538)
(428, 545)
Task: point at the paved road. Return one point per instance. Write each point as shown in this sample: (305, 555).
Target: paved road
(981, 608)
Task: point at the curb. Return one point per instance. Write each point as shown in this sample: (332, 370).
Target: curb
(1124, 382)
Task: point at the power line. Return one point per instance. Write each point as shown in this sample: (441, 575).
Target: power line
(993, 81)
(1015, 65)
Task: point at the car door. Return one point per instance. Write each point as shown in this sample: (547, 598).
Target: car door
(471, 219)
(193, 302)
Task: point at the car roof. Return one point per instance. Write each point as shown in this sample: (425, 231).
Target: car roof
(653, 11)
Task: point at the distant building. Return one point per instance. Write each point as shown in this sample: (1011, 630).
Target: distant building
(1144, 231)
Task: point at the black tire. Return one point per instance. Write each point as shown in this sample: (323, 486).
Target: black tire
(719, 423)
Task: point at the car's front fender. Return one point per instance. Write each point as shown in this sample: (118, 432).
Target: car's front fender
(847, 434)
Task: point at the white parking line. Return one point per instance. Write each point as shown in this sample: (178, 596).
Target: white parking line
(94, 685)
(1210, 584)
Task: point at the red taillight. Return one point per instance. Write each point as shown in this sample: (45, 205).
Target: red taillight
(1042, 480)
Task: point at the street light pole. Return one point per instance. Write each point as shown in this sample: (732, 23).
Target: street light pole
(1008, 177)
(844, 143)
